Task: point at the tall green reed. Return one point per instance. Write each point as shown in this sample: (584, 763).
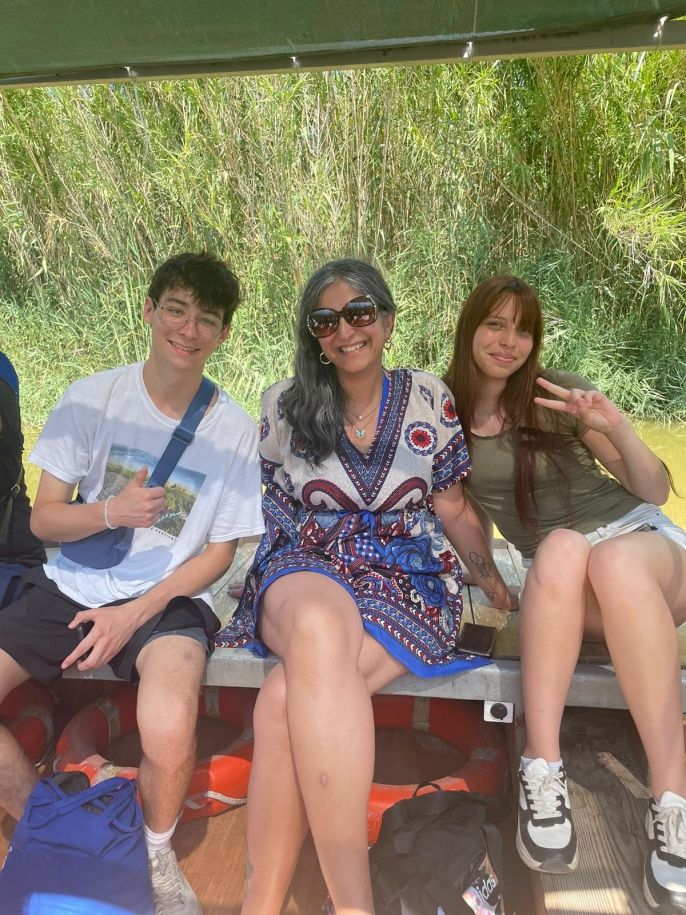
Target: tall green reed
(568, 170)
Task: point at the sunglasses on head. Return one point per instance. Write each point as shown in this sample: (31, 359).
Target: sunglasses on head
(359, 312)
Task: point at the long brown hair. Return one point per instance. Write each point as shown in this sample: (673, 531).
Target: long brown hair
(516, 402)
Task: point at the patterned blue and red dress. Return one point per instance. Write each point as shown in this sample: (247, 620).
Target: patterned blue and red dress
(365, 520)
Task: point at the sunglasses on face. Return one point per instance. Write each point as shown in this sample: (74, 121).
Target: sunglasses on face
(359, 312)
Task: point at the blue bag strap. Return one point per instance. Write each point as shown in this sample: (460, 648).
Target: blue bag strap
(183, 435)
(51, 802)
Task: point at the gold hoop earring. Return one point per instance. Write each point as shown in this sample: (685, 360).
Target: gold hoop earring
(323, 359)
(388, 344)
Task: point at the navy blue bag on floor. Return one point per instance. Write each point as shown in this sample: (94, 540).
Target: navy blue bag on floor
(78, 854)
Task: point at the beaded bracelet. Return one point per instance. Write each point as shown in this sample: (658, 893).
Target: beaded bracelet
(112, 527)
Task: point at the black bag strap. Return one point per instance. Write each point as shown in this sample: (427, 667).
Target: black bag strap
(397, 816)
(183, 435)
(9, 506)
(494, 845)
(405, 829)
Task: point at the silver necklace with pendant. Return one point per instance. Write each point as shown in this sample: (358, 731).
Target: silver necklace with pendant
(360, 433)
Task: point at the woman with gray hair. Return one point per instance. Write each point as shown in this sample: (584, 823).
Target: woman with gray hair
(355, 581)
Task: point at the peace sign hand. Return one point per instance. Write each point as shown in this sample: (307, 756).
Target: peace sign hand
(592, 407)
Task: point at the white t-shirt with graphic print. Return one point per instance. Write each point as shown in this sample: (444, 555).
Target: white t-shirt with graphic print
(102, 431)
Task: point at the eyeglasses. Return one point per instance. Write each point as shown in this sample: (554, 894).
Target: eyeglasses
(176, 317)
(359, 312)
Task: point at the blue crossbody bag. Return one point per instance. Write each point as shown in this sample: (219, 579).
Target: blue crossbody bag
(107, 548)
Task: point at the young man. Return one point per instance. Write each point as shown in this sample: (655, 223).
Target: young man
(19, 548)
(150, 617)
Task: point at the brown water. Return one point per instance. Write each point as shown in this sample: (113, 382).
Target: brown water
(668, 442)
(31, 472)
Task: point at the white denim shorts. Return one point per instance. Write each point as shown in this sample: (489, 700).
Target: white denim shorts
(645, 517)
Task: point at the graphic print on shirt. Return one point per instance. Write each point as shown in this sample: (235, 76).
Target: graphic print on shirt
(180, 491)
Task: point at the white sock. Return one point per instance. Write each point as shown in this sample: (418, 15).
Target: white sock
(553, 767)
(158, 841)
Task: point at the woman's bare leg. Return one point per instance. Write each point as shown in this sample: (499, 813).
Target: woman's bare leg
(274, 796)
(640, 582)
(315, 627)
(556, 609)
(277, 823)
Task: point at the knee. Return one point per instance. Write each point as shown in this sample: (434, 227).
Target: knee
(563, 555)
(12, 675)
(325, 633)
(168, 739)
(614, 563)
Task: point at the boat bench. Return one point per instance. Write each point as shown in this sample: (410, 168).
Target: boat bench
(594, 684)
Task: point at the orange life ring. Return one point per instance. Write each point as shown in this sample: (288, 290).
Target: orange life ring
(218, 782)
(459, 723)
(29, 709)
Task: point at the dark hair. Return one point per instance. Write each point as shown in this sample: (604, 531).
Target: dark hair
(313, 404)
(517, 399)
(210, 280)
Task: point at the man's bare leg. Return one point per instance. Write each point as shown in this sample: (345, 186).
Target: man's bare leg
(17, 773)
(171, 669)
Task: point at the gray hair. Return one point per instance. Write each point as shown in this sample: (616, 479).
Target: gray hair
(313, 404)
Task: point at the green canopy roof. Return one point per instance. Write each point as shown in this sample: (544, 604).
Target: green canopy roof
(53, 41)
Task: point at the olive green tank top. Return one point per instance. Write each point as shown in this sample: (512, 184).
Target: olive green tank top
(575, 494)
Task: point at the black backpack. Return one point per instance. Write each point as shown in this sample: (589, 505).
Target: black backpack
(437, 855)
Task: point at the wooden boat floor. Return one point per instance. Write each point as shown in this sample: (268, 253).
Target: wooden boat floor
(212, 851)
(607, 778)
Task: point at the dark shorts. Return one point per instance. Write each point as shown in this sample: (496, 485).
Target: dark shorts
(33, 630)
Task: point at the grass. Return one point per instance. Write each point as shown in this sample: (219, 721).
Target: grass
(570, 171)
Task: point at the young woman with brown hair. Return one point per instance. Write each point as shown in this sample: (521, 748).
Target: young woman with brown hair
(605, 562)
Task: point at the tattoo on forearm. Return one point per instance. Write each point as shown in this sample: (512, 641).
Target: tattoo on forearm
(248, 875)
(483, 567)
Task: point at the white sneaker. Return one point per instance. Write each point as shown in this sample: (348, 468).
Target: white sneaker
(173, 893)
(664, 870)
(546, 839)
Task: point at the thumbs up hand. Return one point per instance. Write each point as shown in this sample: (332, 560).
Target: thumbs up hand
(136, 505)
(138, 479)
